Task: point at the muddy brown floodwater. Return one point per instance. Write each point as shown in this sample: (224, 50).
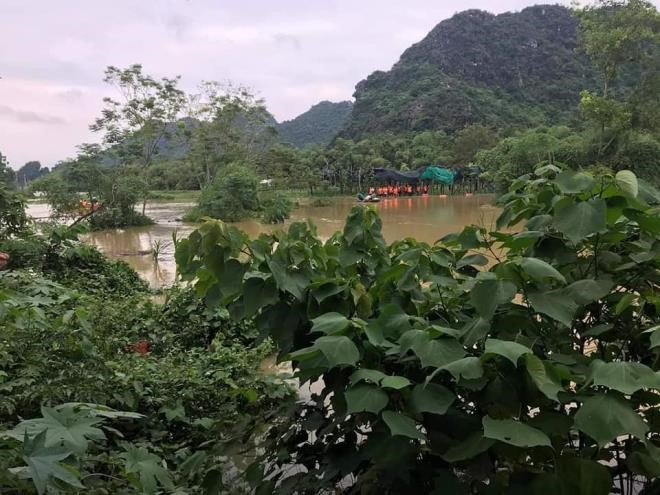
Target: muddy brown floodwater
(426, 218)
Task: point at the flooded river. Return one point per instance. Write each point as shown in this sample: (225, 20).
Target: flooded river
(426, 218)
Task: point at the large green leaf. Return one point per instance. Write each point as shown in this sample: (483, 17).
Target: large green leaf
(589, 290)
(627, 182)
(395, 382)
(330, 323)
(258, 291)
(545, 382)
(439, 352)
(626, 377)
(583, 476)
(557, 304)
(468, 368)
(44, 463)
(471, 447)
(488, 293)
(338, 350)
(581, 219)
(401, 424)
(373, 376)
(506, 348)
(514, 433)
(431, 398)
(655, 336)
(65, 426)
(364, 397)
(149, 467)
(604, 418)
(570, 182)
(540, 270)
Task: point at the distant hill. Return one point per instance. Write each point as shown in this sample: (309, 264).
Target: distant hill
(318, 125)
(515, 69)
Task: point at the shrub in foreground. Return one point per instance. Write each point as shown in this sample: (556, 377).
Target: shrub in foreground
(523, 360)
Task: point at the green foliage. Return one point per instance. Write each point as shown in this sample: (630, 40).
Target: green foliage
(231, 197)
(536, 372)
(317, 126)
(64, 351)
(58, 254)
(277, 208)
(13, 220)
(115, 217)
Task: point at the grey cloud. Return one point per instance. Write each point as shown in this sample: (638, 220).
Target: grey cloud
(28, 117)
(71, 95)
(288, 40)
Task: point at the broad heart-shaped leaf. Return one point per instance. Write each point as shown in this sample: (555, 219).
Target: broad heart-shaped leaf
(439, 352)
(581, 219)
(149, 467)
(570, 182)
(401, 424)
(468, 368)
(472, 259)
(472, 446)
(488, 293)
(373, 376)
(258, 291)
(506, 348)
(364, 397)
(395, 382)
(655, 336)
(623, 376)
(431, 398)
(539, 374)
(540, 270)
(583, 477)
(556, 304)
(627, 182)
(43, 463)
(514, 433)
(65, 426)
(604, 418)
(589, 290)
(338, 350)
(330, 323)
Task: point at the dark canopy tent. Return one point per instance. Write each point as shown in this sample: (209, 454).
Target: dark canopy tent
(438, 175)
(392, 175)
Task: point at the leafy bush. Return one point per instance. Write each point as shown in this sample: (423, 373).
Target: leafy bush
(115, 218)
(231, 197)
(276, 208)
(536, 373)
(64, 346)
(13, 219)
(58, 254)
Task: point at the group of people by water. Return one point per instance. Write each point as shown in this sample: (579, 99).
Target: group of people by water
(395, 190)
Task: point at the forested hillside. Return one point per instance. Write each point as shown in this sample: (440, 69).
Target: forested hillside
(510, 70)
(318, 125)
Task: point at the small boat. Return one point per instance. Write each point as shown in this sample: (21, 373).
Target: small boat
(369, 198)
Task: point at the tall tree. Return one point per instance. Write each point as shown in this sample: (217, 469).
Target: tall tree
(230, 125)
(28, 172)
(135, 125)
(618, 32)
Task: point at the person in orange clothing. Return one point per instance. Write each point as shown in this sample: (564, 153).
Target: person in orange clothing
(425, 189)
(371, 190)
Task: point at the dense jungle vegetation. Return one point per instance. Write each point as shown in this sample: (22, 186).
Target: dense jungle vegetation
(519, 359)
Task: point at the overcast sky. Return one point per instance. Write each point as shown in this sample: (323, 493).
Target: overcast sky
(293, 53)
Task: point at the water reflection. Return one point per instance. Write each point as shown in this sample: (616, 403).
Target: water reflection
(426, 218)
